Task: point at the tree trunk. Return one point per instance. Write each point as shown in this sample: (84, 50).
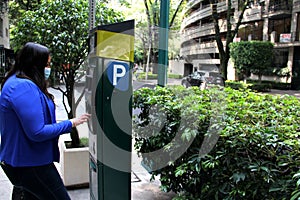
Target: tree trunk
(230, 34)
(259, 78)
(223, 64)
(75, 138)
(150, 29)
(71, 102)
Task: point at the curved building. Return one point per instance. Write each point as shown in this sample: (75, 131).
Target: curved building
(270, 20)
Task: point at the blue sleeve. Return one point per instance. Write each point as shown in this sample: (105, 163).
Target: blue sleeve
(28, 107)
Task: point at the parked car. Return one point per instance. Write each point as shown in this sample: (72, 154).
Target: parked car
(194, 79)
(215, 78)
(202, 79)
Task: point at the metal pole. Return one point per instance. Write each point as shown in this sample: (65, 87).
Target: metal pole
(163, 42)
(148, 61)
(92, 8)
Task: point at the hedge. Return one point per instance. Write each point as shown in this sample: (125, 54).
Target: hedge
(254, 86)
(142, 76)
(219, 143)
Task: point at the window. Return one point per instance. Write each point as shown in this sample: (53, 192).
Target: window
(1, 27)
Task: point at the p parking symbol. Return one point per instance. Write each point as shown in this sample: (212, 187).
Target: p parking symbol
(118, 75)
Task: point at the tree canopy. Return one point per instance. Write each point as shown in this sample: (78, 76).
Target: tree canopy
(63, 27)
(252, 57)
(148, 30)
(232, 29)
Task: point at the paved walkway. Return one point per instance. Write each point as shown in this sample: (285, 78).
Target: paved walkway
(141, 186)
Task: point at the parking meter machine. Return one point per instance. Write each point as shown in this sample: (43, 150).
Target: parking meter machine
(109, 99)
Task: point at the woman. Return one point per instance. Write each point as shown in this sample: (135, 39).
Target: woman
(29, 132)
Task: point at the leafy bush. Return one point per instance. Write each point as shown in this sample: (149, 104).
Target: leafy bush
(84, 142)
(237, 85)
(219, 144)
(252, 56)
(260, 87)
(154, 76)
(178, 76)
(255, 86)
(296, 193)
(273, 84)
(149, 76)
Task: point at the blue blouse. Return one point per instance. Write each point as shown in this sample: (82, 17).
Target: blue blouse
(29, 132)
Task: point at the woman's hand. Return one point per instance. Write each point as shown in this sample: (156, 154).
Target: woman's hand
(80, 120)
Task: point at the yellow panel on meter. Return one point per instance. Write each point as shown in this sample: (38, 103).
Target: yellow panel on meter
(115, 45)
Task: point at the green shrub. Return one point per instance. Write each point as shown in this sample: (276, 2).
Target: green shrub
(177, 76)
(237, 85)
(273, 84)
(296, 193)
(260, 87)
(84, 142)
(254, 86)
(142, 76)
(219, 144)
(252, 57)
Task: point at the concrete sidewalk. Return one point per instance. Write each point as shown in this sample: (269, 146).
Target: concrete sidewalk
(141, 187)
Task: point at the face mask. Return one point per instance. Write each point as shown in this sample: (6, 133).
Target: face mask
(47, 72)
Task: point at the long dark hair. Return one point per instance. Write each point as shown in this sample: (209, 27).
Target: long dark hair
(30, 63)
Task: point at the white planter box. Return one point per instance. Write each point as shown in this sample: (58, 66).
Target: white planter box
(74, 165)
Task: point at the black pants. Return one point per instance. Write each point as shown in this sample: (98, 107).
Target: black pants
(19, 193)
(32, 183)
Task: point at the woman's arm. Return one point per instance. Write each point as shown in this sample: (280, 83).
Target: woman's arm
(27, 104)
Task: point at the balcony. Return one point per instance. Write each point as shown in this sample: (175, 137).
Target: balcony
(253, 14)
(222, 7)
(192, 33)
(196, 16)
(296, 6)
(201, 13)
(285, 39)
(203, 48)
(191, 4)
(277, 9)
(201, 31)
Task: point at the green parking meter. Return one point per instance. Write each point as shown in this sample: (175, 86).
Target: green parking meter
(108, 99)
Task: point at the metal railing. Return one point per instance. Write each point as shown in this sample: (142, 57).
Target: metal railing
(275, 7)
(203, 12)
(207, 46)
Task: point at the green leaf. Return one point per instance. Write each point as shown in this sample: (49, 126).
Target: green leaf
(238, 177)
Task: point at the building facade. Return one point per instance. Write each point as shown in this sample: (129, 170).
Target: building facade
(4, 24)
(6, 54)
(277, 21)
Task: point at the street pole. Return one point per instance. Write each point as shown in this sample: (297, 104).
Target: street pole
(92, 7)
(163, 42)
